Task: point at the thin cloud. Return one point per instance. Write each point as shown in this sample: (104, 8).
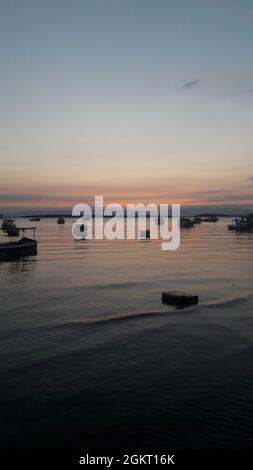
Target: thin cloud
(209, 192)
(191, 84)
(223, 198)
(22, 198)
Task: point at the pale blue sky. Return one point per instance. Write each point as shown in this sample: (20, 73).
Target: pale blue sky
(128, 98)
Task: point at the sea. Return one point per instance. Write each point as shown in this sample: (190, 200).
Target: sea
(91, 359)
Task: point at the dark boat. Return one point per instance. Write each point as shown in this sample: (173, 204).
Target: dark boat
(186, 222)
(244, 224)
(8, 224)
(13, 231)
(18, 249)
(60, 220)
(212, 218)
(34, 219)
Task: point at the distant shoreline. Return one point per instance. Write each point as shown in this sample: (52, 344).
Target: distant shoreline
(69, 216)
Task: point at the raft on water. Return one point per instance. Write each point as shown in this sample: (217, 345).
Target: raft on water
(179, 299)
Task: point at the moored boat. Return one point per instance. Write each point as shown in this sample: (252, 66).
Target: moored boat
(8, 224)
(34, 219)
(243, 224)
(211, 218)
(19, 249)
(185, 222)
(60, 220)
(13, 231)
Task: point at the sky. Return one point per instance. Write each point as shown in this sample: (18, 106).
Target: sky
(136, 100)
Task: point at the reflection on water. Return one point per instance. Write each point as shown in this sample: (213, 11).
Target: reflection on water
(22, 265)
(89, 350)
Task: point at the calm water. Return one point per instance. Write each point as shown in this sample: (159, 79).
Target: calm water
(90, 358)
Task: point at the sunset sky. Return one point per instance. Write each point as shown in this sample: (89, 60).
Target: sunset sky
(138, 100)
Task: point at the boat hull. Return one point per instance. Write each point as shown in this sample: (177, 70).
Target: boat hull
(240, 228)
(19, 249)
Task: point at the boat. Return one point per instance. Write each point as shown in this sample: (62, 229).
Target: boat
(145, 234)
(243, 224)
(185, 222)
(211, 218)
(21, 248)
(34, 219)
(60, 220)
(159, 220)
(8, 224)
(197, 220)
(13, 231)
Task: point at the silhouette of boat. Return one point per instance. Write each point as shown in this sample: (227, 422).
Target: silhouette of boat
(244, 224)
(8, 224)
(13, 231)
(21, 248)
(212, 218)
(185, 222)
(34, 219)
(60, 220)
